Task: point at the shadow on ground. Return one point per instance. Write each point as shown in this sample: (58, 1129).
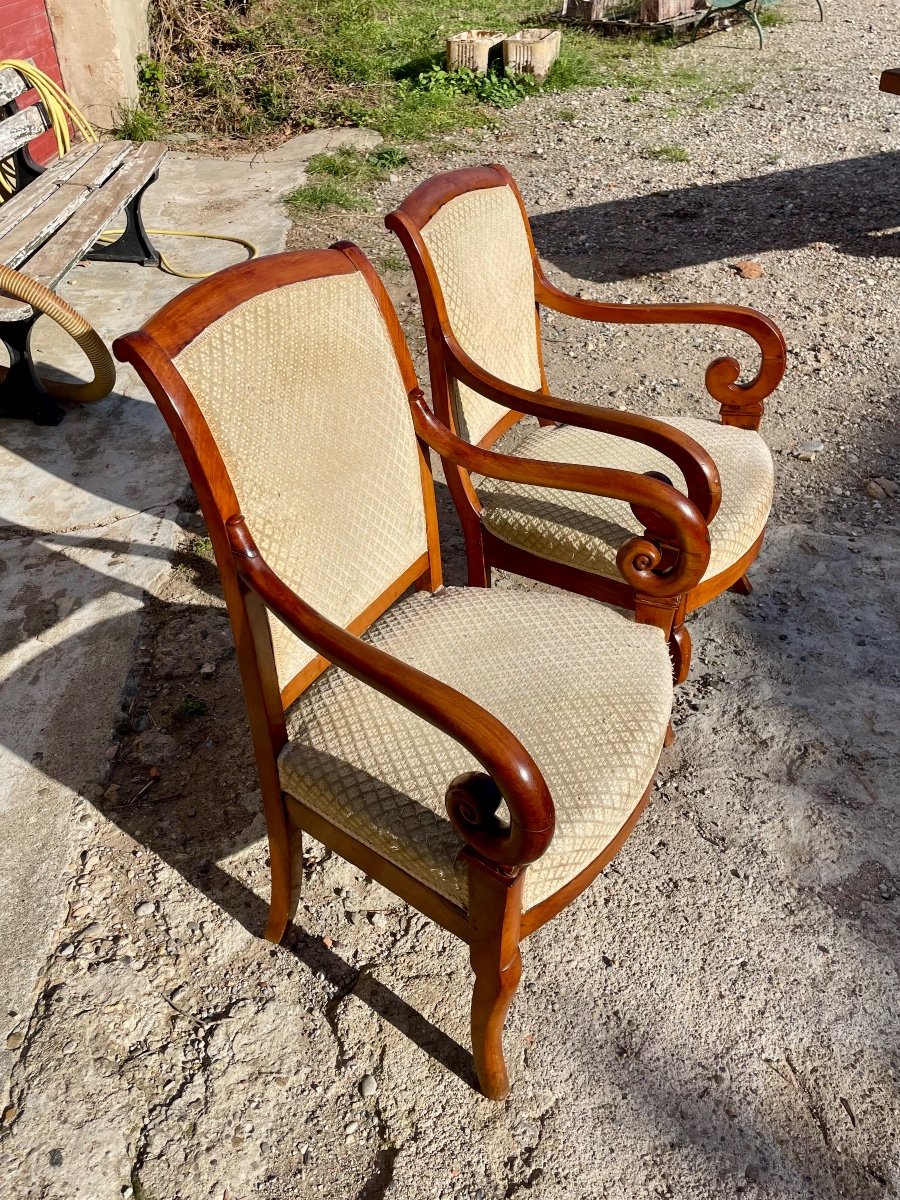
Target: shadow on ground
(851, 204)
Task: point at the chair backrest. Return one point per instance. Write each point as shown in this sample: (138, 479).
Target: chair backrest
(19, 127)
(296, 367)
(470, 230)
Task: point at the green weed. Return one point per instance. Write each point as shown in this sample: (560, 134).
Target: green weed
(135, 124)
(772, 16)
(319, 197)
(189, 708)
(668, 154)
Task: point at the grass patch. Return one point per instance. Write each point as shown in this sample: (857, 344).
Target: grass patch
(668, 154)
(341, 178)
(135, 124)
(772, 16)
(254, 67)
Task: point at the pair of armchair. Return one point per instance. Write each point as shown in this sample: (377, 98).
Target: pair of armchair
(482, 753)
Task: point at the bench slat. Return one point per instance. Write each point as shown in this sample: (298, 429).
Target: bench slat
(34, 229)
(98, 168)
(92, 213)
(27, 200)
(11, 85)
(19, 129)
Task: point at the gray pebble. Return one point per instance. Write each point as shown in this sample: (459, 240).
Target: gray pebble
(368, 1086)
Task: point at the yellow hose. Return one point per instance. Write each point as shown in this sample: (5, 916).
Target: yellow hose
(111, 234)
(29, 291)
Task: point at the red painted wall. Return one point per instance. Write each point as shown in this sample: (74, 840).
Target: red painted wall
(25, 33)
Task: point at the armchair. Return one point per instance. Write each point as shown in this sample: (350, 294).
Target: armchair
(481, 289)
(482, 754)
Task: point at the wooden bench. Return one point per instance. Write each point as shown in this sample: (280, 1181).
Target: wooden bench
(53, 221)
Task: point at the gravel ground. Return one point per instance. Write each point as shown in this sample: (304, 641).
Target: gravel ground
(718, 1014)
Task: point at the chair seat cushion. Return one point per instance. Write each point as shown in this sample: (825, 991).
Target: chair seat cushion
(587, 531)
(587, 691)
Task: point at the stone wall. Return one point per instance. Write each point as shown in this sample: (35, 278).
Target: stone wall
(97, 42)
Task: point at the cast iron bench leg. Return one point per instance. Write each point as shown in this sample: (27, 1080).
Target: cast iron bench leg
(22, 395)
(133, 246)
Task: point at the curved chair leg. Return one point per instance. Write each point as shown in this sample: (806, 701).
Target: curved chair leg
(495, 916)
(742, 586)
(680, 650)
(821, 10)
(495, 986)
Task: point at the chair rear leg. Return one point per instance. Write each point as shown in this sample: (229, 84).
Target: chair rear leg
(495, 911)
(742, 586)
(286, 859)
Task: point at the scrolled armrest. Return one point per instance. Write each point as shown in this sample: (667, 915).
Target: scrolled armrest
(742, 403)
(512, 775)
(700, 472)
(639, 559)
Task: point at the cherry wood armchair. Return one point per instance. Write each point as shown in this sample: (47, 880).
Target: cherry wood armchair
(482, 754)
(481, 288)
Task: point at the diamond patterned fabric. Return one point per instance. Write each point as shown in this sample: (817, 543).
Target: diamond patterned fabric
(303, 395)
(586, 690)
(480, 251)
(586, 531)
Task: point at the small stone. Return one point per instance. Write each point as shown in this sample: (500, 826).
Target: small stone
(752, 1173)
(888, 486)
(368, 1086)
(351, 1127)
(379, 920)
(145, 909)
(806, 451)
(155, 772)
(112, 751)
(55, 1157)
(112, 793)
(9, 1114)
(748, 269)
(207, 669)
(883, 888)
(14, 1040)
(66, 950)
(875, 491)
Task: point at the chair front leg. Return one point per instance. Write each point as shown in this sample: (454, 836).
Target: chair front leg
(495, 913)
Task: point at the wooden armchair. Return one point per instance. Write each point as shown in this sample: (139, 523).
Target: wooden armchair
(481, 754)
(481, 288)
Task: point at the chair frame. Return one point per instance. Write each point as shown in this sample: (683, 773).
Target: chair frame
(495, 853)
(741, 405)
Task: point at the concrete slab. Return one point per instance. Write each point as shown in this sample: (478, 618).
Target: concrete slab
(87, 522)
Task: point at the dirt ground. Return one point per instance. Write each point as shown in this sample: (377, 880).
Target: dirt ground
(718, 1015)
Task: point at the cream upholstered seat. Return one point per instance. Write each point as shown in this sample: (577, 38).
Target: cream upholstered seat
(585, 689)
(479, 246)
(586, 531)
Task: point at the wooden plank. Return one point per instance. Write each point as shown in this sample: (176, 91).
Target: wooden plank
(97, 169)
(27, 200)
(11, 85)
(34, 229)
(18, 130)
(93, 212)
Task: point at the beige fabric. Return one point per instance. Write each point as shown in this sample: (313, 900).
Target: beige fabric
(587, 691)
(586, 531)
(479, 247)
(302, 393)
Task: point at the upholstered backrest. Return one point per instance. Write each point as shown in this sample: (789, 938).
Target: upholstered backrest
(479, 246)
(302, 392)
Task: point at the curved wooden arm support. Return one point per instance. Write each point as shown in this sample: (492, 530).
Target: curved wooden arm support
(638, 559)
(700, 472)
(741, 403)
(512, 773)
